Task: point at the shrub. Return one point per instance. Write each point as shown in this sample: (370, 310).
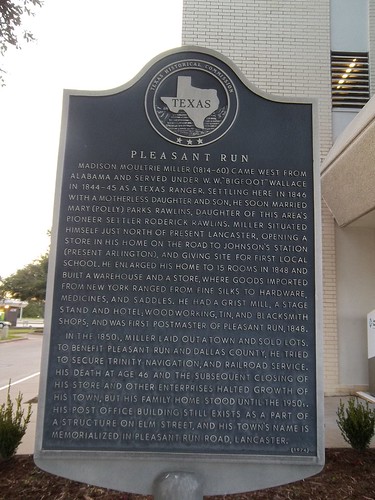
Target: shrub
(13, 425)
(356, 423)
(35, 309)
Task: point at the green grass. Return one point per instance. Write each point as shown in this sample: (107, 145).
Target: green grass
(19, 333)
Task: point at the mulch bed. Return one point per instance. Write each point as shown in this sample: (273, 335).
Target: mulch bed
(347, 474)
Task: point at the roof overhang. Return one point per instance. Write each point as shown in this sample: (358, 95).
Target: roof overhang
(348, 172)
(13, 303)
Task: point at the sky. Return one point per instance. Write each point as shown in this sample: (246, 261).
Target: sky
(81, 44)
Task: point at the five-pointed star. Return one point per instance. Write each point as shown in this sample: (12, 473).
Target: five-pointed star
(189, 142)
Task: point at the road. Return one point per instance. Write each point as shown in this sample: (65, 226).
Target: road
(20, 363)
(20, 359)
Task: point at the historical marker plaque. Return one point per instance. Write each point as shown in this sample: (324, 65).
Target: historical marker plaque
(184, 282)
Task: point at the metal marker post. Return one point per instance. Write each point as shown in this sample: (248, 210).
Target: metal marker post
(178, 485)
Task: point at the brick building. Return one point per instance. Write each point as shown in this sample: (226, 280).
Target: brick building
(319, 49)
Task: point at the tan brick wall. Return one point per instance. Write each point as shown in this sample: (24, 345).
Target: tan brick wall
(282, 47)
(331, 351)
(372, 44)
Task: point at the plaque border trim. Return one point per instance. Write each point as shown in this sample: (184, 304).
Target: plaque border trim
(223, 474)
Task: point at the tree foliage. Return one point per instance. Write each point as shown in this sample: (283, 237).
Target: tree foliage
(12, 14)
(34, 309)
(28, 283)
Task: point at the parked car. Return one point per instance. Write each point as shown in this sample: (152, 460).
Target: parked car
(4, 323)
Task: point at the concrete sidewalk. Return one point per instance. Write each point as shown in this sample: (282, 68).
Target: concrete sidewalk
(333, 437)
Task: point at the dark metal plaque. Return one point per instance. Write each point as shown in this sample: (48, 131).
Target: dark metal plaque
(183, 281)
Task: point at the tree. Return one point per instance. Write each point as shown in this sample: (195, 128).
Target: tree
(11, 18)
(28, 283)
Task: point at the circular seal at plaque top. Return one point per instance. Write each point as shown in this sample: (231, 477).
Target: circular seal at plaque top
(191, 102)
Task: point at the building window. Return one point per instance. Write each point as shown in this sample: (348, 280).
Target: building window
(350, 79)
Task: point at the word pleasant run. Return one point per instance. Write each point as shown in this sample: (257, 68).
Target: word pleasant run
(222, 157)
